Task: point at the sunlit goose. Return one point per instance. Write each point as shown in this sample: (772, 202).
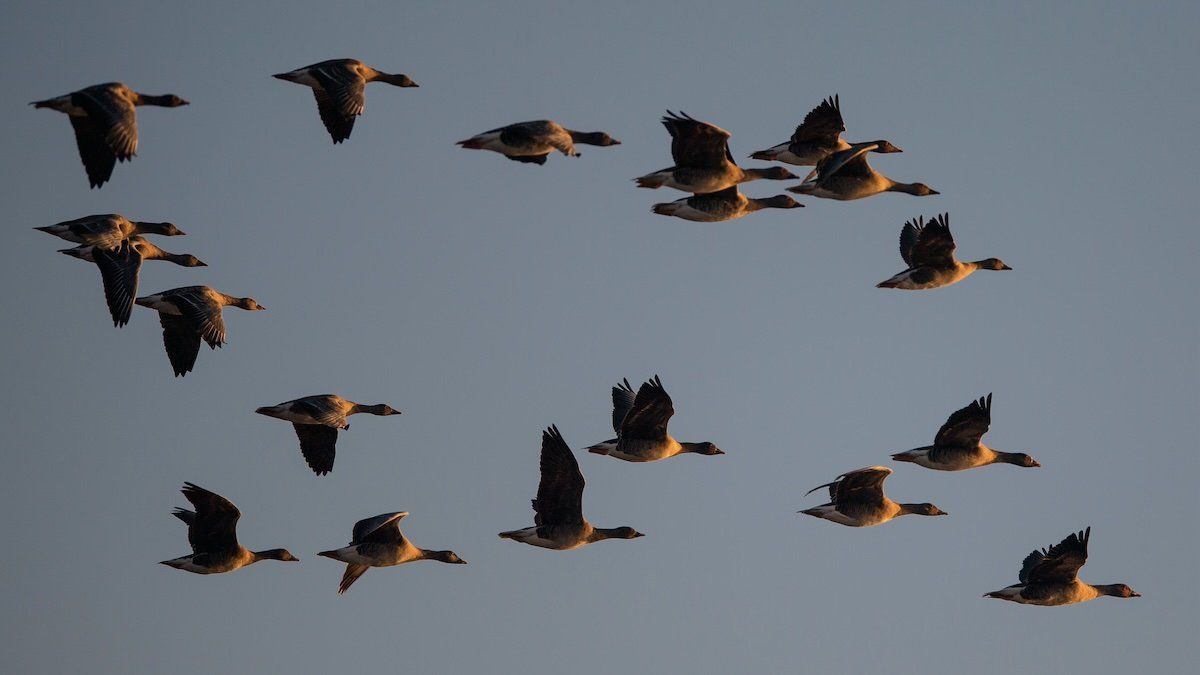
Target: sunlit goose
(928, 250)
(959, 443)
(119, 269)
(339, 86)
(558, 521)
(378, 542)
(532, 142)
(212, 532)
(1051, 577)
(640, 421)
(817, 137)
(104, 117)
(106, 229)
(846, 175)
(317, 420)
(702, 160)
(727, 204)
(189, 314)
(857, 500)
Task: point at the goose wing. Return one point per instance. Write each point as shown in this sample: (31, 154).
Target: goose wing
(697, 144)
(181, 341)
(622, 398)
(213, 526)
(198, 306)
(652, 410)
(318, 444)
(966, 427)
(114, 118)
(823, 122)
(119, 271)
(98, 159)
(560, 491)
(928, 244)
(340, 97)
(863, 486)
(1060, 563)
(384, 528)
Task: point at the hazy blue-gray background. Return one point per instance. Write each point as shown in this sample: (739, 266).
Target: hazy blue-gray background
(488, 299)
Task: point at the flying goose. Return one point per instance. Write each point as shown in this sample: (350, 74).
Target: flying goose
(107, 230)
(559, 523)
(119, 269)
(212, 532)
(1051, 577)
(959, 443)
(928, 250)
(338, 85)
(640, 421)
(378, 542)
(727, 204)
(817, 137)
(846, 175)
(703, 162)
(317, 420)
(189, 314)
(857, 500)
(532, 142)
(104, 117)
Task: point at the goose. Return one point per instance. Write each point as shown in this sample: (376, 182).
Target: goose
(1050, 577)
(532, 142)
(727, 204)
(338, 85)
(817, 137)
(928, 250)
(212, 532)
(558, 521)
(107, 230)
(640, 421)
(703, 162)
(378, 542)
(959, 443)
(189, 314)
(104, 117)
(857, 500)
(846, 175)
(119, 269)
(317, 420)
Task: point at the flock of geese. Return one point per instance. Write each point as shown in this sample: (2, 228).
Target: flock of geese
(104, 119)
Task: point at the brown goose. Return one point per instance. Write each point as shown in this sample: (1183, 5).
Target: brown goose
(119, 269)
(959, 443)
(189, 314)
(857, 500)
(846, 175)
(817, 137)
(1050, 577)
(559, 523)
(212, 532)
(104, 117)
(928, 250)
(532, 142)
(727, 204)
(703, 162)
(317, 420)
(107, 230)
(339, 86)
(640, 421)
(378, 542)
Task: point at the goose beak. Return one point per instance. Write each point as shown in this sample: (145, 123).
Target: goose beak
(1006, 267)
(1135, 594)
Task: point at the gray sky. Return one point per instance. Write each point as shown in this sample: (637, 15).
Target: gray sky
(488, 299)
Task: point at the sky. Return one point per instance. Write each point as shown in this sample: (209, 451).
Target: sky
(488, 299)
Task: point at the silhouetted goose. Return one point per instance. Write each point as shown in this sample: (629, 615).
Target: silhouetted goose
(702, 160)
(338, 85)
(559, 523)
(959, 443)
(532, 142)
(641, 424)
(928, 250)
(189, 314)
(317, 420)
(726, 204)
(857, 500)
(119, 270)
(846, 175)
(107, 230)
(378, 542)
(1051, 577)
(212, 532)
(817, 137)
(104, 117)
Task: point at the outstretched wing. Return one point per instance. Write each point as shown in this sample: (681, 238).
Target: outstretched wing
(98, 159)
(863, 486)
(351, 575)
(213, 527)
(1060, 563)
(560, 490)
(652, 410)
(823, 122)
(934, 246)
(967, 426)
(340, 98)
(119, 272)
(622, 398)
(202, 312)
(181, 341)
(384, 528)
(113, 116)
(697, 144)
(318, 445)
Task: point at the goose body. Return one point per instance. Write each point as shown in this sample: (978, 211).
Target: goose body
(1050, 577)
(857, 500)
(191, 314)
(317, 419)
(339, 86)
(558, 522)
(727, 204)
(640, 421)
(959, 446)
(817, 137)
(378, 542)
(928, 250)
(532, 142)
(212, 532)
(846, 175)
(107, 230)
(703, 163)
(104, 117)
